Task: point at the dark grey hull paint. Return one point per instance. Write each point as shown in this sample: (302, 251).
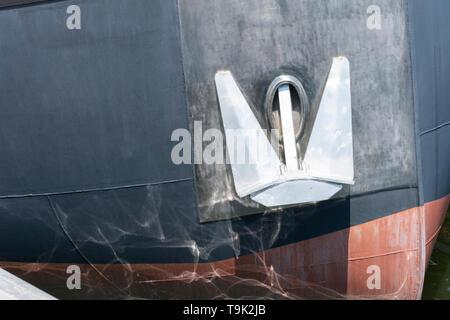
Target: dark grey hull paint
(430, 50)
(86, 119)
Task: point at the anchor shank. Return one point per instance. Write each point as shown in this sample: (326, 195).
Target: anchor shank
(287, 127)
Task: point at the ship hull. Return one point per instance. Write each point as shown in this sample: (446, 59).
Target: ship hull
(87, 118)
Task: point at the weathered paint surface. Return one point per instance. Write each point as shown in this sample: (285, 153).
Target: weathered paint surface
(259, 40)
(96, 107)
(333, 266)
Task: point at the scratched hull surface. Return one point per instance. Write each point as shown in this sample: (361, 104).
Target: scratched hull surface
(87, 177)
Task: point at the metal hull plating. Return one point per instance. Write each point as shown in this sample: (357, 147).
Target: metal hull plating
(87, 178)
(333, 266)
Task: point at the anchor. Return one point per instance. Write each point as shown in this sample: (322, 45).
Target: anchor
(328, 160)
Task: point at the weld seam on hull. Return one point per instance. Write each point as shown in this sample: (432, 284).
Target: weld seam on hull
(435, 128)
(433, 237)
(383, 255)
(94, 189)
